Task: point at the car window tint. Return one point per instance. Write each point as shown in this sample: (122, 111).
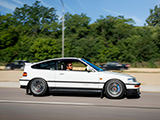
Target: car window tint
(50, 65)
(21, 63)
(61, 65)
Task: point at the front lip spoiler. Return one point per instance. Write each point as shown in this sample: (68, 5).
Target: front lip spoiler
(133, 92)
(132, 84)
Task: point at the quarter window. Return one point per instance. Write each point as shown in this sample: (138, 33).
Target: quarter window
(50, 65)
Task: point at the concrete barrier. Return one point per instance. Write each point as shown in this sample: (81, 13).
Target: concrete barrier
(2, 67)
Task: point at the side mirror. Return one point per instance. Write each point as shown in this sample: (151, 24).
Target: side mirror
(89, 69)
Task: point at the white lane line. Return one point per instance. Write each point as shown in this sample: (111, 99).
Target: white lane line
(41, 102)
(78, 104)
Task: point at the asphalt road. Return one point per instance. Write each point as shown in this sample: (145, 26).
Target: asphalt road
(15, 105)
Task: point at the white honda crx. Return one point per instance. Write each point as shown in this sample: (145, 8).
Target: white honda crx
(54, 76)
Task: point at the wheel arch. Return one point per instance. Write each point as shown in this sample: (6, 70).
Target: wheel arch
(34, 79)
(28, 85)
(103, 90)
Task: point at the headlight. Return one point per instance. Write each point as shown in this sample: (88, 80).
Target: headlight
(132, 79)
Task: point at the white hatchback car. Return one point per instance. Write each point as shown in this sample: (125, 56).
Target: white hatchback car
(54, 76)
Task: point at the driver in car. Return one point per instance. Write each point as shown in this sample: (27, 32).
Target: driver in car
(69, 66)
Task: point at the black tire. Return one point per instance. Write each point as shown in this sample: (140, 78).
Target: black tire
(114, 89)
(38, 87)
(12, 68)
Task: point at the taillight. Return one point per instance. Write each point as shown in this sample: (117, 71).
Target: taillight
(137, 86)
(127, 65)
(24, 74)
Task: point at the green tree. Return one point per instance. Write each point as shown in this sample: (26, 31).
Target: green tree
(8, 33)
(77, 25)
(45, 48)
(76, 28)
(108, 31)
(138, 47)
(23, 48)
(156, 36)
(154, 17)
(35, 19)
(34, 33)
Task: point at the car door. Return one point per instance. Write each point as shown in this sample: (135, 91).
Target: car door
(76, 78)
(16, 64)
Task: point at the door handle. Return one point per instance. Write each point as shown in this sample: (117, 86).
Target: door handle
(61, 73)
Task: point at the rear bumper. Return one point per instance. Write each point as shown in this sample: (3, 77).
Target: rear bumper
(23, 83)
(23, 87)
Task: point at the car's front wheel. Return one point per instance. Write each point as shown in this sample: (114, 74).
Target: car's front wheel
(38, 87)
(114, 89)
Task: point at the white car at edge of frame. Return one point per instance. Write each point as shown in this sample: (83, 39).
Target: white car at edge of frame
(51, 76)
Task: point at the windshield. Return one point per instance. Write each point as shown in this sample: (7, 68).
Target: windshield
(94, 66)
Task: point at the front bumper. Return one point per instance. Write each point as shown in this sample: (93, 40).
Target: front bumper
(133, 89)
(132, 92)
(132, 85)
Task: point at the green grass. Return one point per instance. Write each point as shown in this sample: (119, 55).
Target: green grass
(150, 64)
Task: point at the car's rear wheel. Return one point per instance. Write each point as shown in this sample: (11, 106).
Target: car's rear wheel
(114, 89)
(38, 87)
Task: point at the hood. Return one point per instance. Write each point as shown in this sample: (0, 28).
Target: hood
(116, 74)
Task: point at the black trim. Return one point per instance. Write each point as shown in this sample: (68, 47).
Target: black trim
(132, 84)
(23, 80)
(23, 87)
(68, 81)
(74, 90)
(77, 82)
(131, 92)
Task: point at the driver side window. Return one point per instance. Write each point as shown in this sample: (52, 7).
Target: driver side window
(71, 65)
(61, 65)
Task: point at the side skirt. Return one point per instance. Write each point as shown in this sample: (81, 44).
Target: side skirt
(74, 90)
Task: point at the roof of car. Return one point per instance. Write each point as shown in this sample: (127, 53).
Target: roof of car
(64, 58)
(21, 61)
(67, 58)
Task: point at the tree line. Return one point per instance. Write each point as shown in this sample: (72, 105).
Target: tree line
(34, 33)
